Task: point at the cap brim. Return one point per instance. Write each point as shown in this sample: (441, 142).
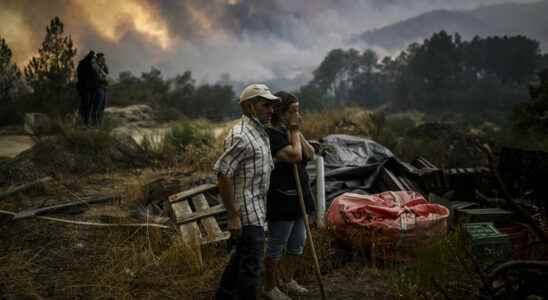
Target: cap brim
(269, 96)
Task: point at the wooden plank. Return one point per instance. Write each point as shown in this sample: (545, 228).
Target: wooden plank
(86, 201)
(212, 230)
(24, 187)
(444, 179)
(214, 210)
(427, 163)
(190, 232)
(404, 183)
(410, 185)
(192, 192)
(391, 181)
(484, 169)
(438, 179)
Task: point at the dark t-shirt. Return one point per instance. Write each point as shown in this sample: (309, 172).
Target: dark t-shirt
(283, 202)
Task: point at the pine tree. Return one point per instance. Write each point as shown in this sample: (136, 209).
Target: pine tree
(50, 73)
(10, 75)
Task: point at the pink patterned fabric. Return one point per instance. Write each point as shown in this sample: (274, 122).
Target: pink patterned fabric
(390, 216)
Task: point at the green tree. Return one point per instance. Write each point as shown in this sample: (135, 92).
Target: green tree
(543, 61)
(346, 76)
(181, 88)
(330, 69)
(436, 62)
(512, 59)
(10, 86)
(10, 75)
(154, 86)
(214, 102)
(50, 73)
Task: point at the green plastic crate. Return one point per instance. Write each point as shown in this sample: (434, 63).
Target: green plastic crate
(487, 243)
(483, 215)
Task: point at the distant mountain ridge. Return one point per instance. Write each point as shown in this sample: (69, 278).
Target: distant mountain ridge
(529, 19)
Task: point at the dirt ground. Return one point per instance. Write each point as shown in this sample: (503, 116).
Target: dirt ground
(11, 145)
(42, 259)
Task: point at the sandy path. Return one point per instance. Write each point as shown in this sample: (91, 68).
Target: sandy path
(11, 145)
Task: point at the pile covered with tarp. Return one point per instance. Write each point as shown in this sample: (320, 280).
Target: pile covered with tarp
(359, 165)
(374, 199)
(389, 221)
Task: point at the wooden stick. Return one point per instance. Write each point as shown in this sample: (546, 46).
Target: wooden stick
(24, 187)
(5, 212)
(307, 225)
(55, 208)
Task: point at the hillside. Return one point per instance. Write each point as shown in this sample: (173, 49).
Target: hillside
(502, 19)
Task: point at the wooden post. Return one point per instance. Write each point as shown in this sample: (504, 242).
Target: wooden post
(24, 187)
(189, 232)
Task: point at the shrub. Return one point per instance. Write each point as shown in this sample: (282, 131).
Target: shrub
(349, 120)
(188, 132)
(440, 269)
(158, 147)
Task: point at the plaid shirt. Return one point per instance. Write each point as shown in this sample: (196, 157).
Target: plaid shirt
(247, 160)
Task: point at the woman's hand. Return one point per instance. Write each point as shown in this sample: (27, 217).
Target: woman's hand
(293, 116)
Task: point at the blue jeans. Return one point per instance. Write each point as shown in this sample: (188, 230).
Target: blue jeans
(289, 235)
(98, 106)
(87, 98)
(242, 274)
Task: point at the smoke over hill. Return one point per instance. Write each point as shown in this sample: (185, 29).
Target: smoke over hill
(250, 40)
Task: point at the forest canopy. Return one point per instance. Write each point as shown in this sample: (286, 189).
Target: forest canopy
(441, 74)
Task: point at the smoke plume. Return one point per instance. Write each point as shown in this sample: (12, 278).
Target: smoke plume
(250, 40)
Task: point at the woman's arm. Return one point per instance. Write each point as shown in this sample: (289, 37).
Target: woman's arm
(291, 153)
(308, 150)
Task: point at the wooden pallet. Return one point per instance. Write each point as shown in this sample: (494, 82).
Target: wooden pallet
(397, 183)
(195, 218)
(433, 178)
(468, 171)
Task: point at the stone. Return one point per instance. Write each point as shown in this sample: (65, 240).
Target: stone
(38, 123)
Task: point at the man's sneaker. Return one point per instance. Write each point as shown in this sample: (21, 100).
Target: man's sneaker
(293, 287)
(275, 294)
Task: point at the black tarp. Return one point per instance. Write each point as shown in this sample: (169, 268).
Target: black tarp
(352, 164)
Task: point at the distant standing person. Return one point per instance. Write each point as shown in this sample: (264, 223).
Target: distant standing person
(287, 231)
(98, 105)
(243, 172)
(86, 85)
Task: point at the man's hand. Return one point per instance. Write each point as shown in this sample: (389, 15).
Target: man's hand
(235, 229)
(235, 226)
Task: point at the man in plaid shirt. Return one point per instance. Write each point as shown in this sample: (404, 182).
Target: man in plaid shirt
(243, 171)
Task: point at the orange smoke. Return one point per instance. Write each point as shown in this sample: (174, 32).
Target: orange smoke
(205, 18)
(112, 19)
(18, 35)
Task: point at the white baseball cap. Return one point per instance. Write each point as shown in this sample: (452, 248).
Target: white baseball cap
(257, 90)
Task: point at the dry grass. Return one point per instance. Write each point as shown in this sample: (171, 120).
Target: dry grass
(43, 260)
(348, 120)
(53, 261)
(48, 260)
(189, 142)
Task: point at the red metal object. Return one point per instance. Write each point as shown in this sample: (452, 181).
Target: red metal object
(519, 236)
